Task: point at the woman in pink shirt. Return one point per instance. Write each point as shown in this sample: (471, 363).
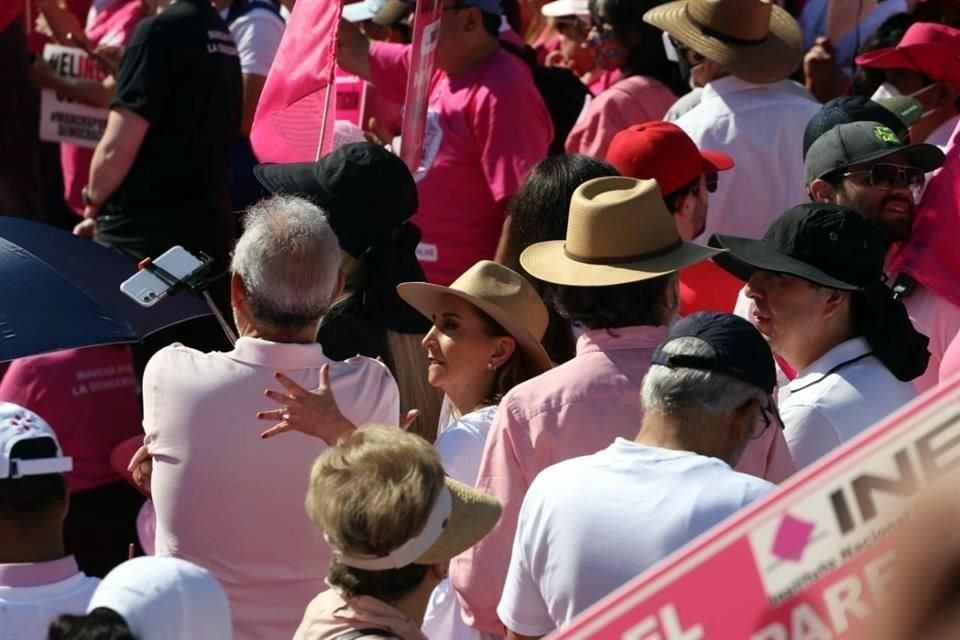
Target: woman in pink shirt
(650, 83)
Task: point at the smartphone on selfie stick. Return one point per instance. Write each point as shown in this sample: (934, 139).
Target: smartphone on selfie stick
(177, 269)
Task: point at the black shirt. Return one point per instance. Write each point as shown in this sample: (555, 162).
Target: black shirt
(181, 73)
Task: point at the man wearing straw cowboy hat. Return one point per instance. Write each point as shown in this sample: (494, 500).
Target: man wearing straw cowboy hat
(743, 52)
(614, 278)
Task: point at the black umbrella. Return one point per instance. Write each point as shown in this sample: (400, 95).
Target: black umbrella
(60, 291)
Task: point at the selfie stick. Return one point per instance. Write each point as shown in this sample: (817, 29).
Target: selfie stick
(195, 285)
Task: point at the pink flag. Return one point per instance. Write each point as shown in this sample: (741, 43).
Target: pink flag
(930, 256)
(292, 110)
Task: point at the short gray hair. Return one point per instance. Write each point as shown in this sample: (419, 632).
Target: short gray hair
(669, 390)
(288, 259)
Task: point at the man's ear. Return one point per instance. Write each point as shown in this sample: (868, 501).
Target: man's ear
(237, 293)
(835, 301)
(822, 191)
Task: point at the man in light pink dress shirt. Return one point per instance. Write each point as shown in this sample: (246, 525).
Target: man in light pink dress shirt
(225, 499)
(615, 278)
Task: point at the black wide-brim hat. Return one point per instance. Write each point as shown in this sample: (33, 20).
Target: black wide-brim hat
(367, 191)
(828, 245)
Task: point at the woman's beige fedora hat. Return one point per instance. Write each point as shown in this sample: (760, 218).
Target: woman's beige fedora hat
(501, 293)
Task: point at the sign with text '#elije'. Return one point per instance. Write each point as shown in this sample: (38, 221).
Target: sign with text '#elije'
(61, 118)
(808, 562)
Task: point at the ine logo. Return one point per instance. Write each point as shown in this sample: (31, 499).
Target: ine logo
(792, 538)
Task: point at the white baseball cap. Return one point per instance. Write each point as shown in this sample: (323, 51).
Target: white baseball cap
(163, 598)
(560, 8)
(364, 10)
(18, 425)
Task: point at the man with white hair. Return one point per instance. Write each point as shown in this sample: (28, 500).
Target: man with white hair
(226, 500)
(706, 395)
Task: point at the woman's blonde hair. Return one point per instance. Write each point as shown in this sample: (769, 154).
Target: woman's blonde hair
(374, 490)
(406, 359)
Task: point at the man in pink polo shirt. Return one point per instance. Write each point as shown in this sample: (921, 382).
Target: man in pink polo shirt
(38, 580)
(615, 279)
(486, 127)
(225, 499)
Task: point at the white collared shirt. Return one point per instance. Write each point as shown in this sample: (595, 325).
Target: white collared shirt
(761, 127)
(838, 396)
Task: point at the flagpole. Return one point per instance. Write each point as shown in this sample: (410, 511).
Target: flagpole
(323, 122)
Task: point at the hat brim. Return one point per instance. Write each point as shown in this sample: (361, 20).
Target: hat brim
(943, 65)
(472, 516)
(562, 8)
(426, 298)
(715, 161)
(394, 12)
(549, 262)
(293, 178)
(357, 12)
(926, 157)
(774, 59)
(747, 255)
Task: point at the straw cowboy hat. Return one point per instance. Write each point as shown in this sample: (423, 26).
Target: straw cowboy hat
(501, 293)
(753, 39)
(619, 231)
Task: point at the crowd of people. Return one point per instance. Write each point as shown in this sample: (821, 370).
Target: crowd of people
(656, 258)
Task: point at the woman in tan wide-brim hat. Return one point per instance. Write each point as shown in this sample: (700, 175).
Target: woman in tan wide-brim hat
(485, 339)
(754, 40)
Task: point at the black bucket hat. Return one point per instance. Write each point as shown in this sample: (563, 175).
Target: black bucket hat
(826, 244)
(367, 191)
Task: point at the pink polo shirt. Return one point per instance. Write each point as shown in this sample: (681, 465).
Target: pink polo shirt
(575, 409)
(231, 502)
(485, 129)
(627, 102)
(88, 396)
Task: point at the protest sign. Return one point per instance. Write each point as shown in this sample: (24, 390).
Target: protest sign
(351, 95)
(426, 24)
(61, 118)
(810, 561)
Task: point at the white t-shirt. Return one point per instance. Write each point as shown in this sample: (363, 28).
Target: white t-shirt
(589, 525)
(27, 611)
(460, 444)
(257, 35)
(838, 396)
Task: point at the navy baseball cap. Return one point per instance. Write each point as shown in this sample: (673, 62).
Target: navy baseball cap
(739, 351)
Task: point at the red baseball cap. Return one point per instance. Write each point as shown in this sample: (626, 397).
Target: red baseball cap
(929, 48)
(663, 152)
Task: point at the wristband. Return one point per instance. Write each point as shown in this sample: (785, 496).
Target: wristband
(88, 202)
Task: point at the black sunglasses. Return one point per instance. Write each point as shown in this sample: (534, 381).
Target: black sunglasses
(891, 176)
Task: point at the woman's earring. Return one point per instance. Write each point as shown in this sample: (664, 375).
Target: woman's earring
(491, 366)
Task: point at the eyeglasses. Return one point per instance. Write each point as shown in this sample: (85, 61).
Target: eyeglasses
(692, 57)
(712, 180)
(891, 176)
(768, 415)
